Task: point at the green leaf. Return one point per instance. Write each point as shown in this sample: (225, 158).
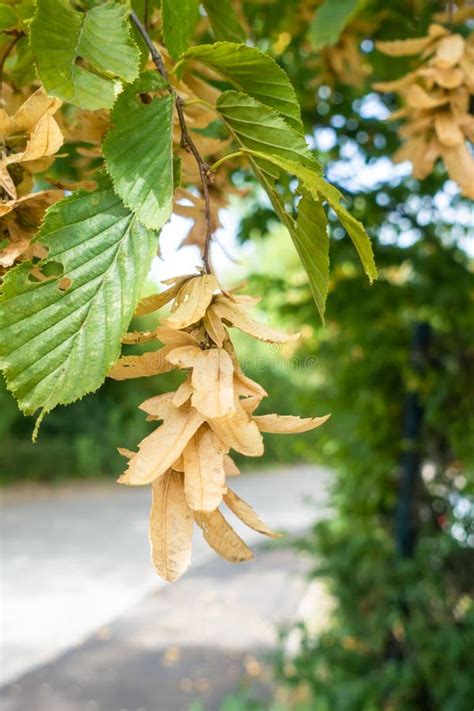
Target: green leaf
(319, 188)
(311, 239)
(8, 17)
(179, 20)
(330, 20)
(259, 128)
(57, 343)
(224, 21)
(138, 151)
(254, 73)
(61, 36)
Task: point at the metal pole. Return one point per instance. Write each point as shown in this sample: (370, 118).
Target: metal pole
(405, 517)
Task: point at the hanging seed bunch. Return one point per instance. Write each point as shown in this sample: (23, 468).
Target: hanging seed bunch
(186, 459)
(437, 122)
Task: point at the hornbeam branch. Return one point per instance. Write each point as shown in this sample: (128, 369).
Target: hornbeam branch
(186, 140)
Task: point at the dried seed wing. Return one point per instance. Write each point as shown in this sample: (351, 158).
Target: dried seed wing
(230, 468)
(174, 337)
(418, 98)
(159, 406)
(247, 515)
(250, 404)
(184, 356)
(239, 432)
(156, 301)
(124, 452)
(179, 279)
(460, 166)
(213, 383)
(238, 318)
(396, 85)
(45, 140)
(183, 393)
(134, 337)
(204, 475)
(404, 48)
(6, 181)
(449, 51)
(214, 327)
(157, 452)
(171, 527)
(140, 366)
(288, 424)
(447, 129)
(178, 465)
(192, 301)
(246, 387)
(245, 301)
(222, 537)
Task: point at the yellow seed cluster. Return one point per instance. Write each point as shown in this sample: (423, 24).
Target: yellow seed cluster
(436, 118)
(186, 459)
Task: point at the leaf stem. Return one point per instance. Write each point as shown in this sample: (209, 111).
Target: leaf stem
(229, 156)
(6, 53)
(186, 141)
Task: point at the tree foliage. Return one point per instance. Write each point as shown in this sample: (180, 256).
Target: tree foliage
(276, 98)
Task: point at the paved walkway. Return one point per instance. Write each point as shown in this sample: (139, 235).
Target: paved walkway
(76, 558)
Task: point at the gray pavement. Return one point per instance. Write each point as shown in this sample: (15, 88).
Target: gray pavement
(198, 640)
(76, 558)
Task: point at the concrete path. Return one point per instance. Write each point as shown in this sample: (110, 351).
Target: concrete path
(194, 642)
(76, 558)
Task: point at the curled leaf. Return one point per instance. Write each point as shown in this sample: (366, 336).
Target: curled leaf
(192, 301)
(157, 452)
(247, 515)
(222, 537)
(171, 527)
(204, 475)
(140, 366)
(288, 424)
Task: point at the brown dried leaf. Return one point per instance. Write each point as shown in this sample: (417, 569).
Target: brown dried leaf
(447, 129)
(124, 452)
(214, 327)
(230, 468)
(6, 181)
(134, 337)
(171, 527)
(222, 537)
(212, 378)
(192, 301)
(247, 515)
(204, 475)
(396, 85)
(460, 166)
(45, 140)
(449, 51)
(175, 338)
(449, 78)
(157, 452)
(404, 48)
(29, 114)
(159, 406)
(229, 311)
(250, 404)
(239, 432)
(288, 424)
(140, 366)
(156, 301)
(418, 98)
(183, 393)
